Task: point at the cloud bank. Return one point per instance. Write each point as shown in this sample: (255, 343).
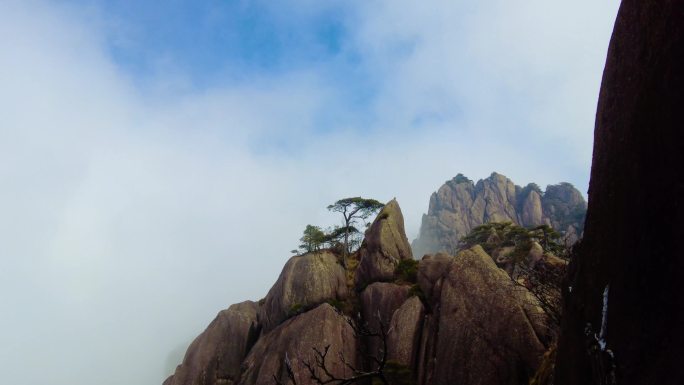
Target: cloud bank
(135, 207)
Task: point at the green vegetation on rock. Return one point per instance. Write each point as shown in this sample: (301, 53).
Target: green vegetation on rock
(407, 270)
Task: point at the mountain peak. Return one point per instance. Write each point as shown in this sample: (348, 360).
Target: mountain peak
(460, 205)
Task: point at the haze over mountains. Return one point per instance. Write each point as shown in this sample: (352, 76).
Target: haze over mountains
(460, 205)
(429, 307)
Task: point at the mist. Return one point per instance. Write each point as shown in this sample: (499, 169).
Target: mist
(136, 206)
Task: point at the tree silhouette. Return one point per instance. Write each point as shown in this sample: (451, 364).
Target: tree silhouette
(353, 209)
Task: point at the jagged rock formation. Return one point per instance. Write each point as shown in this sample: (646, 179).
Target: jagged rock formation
(215, 356)
(306, 281)
(460, 205)
(464, 321)
(623, 316)
(384, 245)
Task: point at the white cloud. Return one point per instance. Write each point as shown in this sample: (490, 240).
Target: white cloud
(130, 217)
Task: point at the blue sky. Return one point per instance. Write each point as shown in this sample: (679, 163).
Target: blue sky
(146, 152)
(207, 38)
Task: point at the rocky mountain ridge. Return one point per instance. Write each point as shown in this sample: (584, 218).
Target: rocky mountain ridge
(460, 205)
(447, 319)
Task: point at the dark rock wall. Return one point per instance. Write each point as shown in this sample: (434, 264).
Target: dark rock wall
(634, 228)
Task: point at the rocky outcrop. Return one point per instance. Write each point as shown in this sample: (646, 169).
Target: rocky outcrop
(379, 301)
(431, 269)
(382, 299)
(564, 208)
(485, 329)
(384, 245)
(214, 357)
(531, 212)
(464, 321)
(404, 333)
(296, 338)
(460, 205)
(305, 282)
(622, 309)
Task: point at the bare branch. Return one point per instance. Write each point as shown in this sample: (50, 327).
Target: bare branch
(318, 367)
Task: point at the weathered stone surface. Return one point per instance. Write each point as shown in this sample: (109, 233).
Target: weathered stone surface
(564, 209)
(381, 299)
(632, 244)
(384, 245)
(403, 338)
(531, 213)
(297, 337)
(460, 205)
(306, 281)
(214, 357)
(430, 269)
(498, 198)
(489, 329)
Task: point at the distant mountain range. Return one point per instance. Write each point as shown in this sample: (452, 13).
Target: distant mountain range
(460, 205)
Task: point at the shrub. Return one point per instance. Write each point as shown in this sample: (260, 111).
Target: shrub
(295, 309)
(416, 291)
(336, 303)
(396, 374)
(407, 270)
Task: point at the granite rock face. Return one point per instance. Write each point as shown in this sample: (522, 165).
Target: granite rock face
(379, 301)
(404, 333)
(305, 281)
(215, 356)
(382, 299)
(623, 317)
(460, 205)
(297, 337)
(384, 245)
(484, 329)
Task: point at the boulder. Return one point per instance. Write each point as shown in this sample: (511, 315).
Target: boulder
(430, 270)
(305, 282)
(296, 338)
(384, 245)
(490, 330)
(380, 299)
(214, 357)
(403, 337)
